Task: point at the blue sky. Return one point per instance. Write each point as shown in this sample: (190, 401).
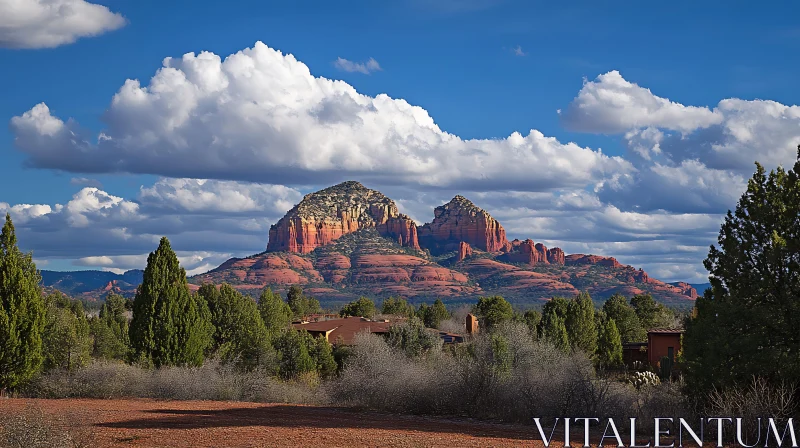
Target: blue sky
(481, 69)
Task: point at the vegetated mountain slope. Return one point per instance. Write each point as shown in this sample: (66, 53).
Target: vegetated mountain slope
(347, 240)
(93, 285)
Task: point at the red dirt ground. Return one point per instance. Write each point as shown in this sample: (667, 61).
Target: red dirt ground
(150, 423)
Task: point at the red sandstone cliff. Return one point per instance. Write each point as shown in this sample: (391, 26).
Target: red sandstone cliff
(464, 251)
(460, 220)
(322, 217)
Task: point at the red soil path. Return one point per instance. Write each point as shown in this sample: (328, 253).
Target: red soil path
(150, 423)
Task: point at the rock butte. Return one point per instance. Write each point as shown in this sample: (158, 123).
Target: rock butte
(348, 240)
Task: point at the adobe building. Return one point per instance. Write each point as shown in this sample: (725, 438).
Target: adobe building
(663, 342)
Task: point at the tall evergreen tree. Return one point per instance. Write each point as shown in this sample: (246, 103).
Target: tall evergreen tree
(22, 312)
(532, 319)
(625, 319)
(609, 344)
(555, 308)
(651, 314)
(580, 324)
(295, 358)
(747, 324)
(433, 315)
(276, 314)
(170, 326)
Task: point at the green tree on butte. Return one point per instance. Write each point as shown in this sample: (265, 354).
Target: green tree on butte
(170, 326)
(22, 312)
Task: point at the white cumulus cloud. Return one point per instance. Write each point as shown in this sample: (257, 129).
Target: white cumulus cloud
(51, 23)
(260, 115)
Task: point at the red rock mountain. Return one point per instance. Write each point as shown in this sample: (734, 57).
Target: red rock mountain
(460, 220)
(347, 240)
(322, 217)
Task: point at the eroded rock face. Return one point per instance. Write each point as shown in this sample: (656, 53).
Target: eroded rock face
(687, 290)
(464, 251)
(531, 253)
(574, 259)
(322, 217)
(460, 220)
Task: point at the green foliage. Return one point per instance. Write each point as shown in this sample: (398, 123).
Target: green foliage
(275, 313)
(432, 316)
(580, 324)
(502, 356)
(170, 326)
(609, 344)
(22, 312)
(300, 304)
(240, 336)
(413, 338)
(397, 306)
(651, 314)
(747, 324)
(555, 332)
(321, 353)
(532, 319)
(66, 340)
(363, 307)
(492, 311)
(295, 359)
(625, 319)
(110, 329)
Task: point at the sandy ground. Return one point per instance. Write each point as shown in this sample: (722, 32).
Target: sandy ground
(150, 423)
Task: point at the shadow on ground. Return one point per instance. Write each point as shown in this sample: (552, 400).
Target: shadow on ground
(281, 416)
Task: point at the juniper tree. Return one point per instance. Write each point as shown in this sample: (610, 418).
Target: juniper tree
(363, 307)
(239, 332)
(747, 323)
(276, 314)
(581, 328)
(22, 312)
(609, 344)
(625, 319)
(492, 311)
(555, 332)
(66, 341)
(110, 329)
(170, 326)
(397, 306)
(433, 315)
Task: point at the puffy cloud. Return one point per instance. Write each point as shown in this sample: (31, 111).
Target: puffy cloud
(51, 23)
(361, 67)
(213, 196)
(260, 115)
(732, 135)
(611, 105)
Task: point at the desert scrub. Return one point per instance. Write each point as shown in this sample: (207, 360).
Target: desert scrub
(212, 381)
(32, 428)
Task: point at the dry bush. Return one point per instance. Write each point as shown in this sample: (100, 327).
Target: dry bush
(32, 428)
(759, 399)
(212, 381)
(531, 379)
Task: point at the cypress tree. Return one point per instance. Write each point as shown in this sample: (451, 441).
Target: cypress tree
(110, 329)
(22, 312)
(609, 344)
(170, 326)
(580, 324)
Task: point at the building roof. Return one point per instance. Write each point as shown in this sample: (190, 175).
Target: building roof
(665, 331)
(344, 331)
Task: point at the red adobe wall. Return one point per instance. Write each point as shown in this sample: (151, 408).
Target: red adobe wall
(658, 346)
